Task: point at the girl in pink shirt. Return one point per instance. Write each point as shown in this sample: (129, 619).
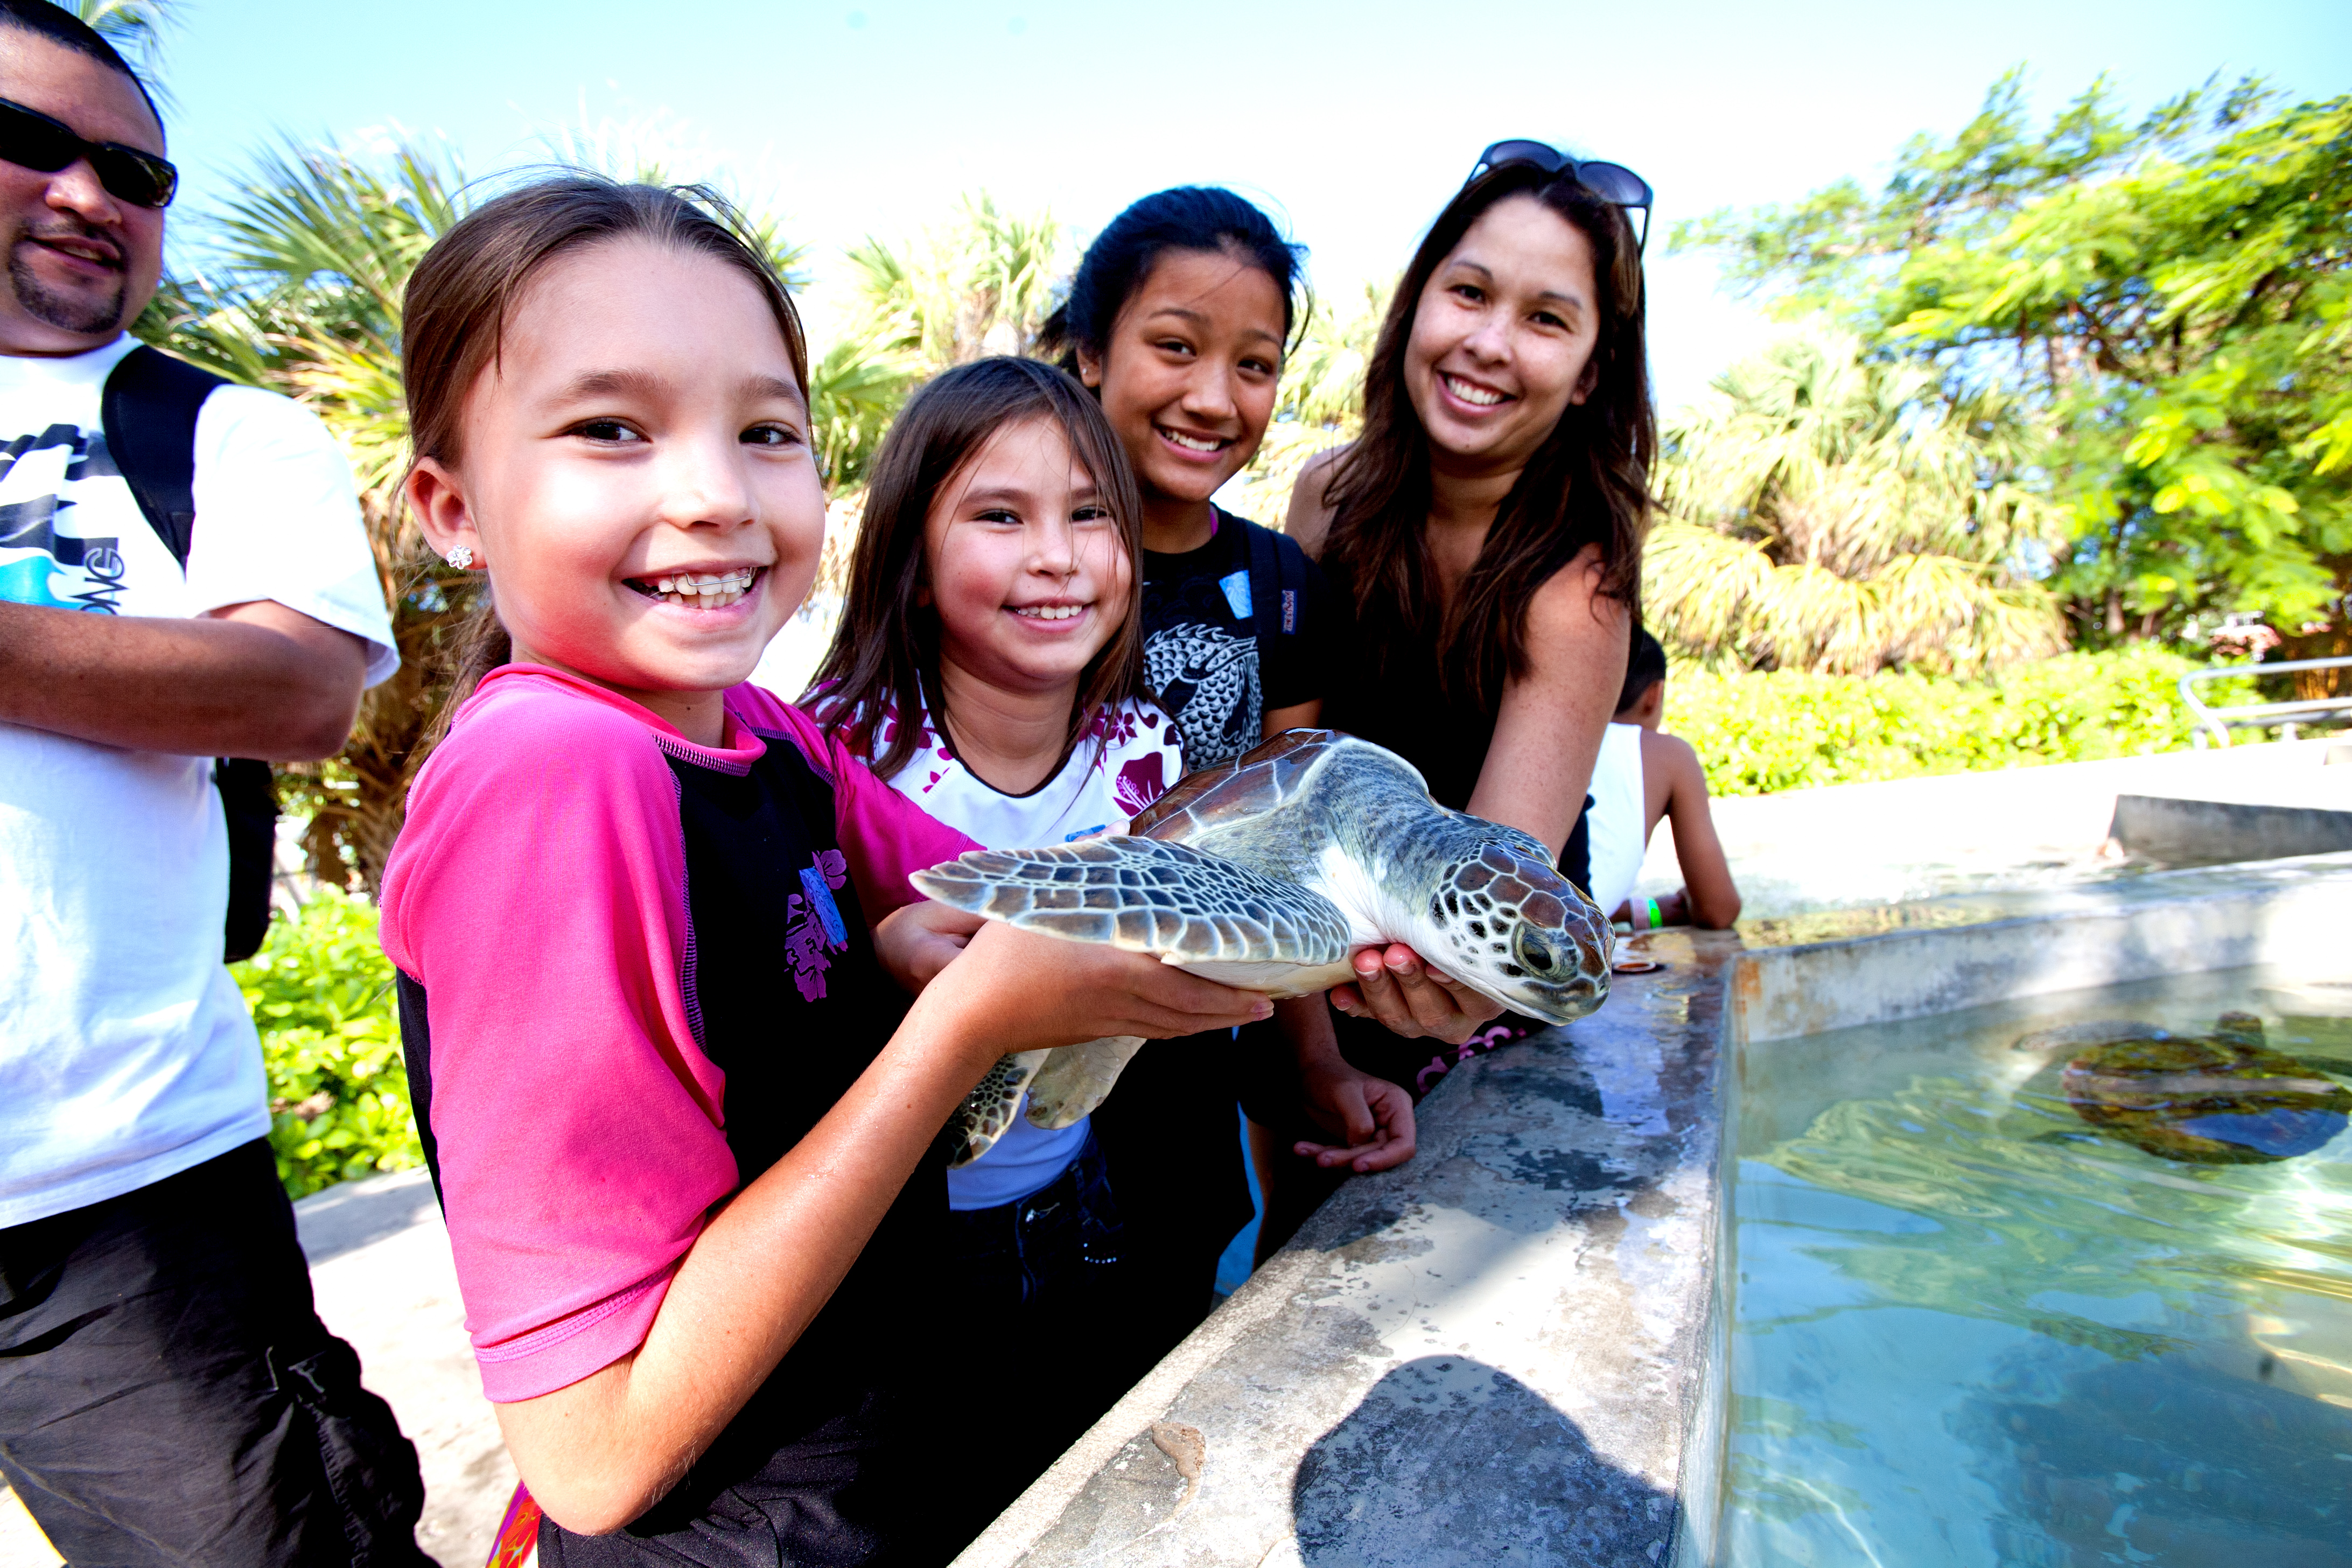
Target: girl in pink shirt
(654, 930)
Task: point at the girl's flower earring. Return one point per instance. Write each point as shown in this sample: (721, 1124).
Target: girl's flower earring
(461, 557)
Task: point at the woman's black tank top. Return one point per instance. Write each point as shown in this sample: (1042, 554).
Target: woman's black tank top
(1388, 690)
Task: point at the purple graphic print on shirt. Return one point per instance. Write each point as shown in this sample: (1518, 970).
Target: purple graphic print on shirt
(809, 945)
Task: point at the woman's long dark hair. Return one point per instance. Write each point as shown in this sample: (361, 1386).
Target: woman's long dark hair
(1588, 484)
(882, 665)
(1185, 218)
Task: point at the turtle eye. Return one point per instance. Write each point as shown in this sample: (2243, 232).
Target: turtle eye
(1535, 952)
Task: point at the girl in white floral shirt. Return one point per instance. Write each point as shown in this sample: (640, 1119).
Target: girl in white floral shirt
(989, 665)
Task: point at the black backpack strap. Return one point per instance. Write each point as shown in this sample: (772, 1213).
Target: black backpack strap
(249, 792)
(1278, 583)
(149, 412)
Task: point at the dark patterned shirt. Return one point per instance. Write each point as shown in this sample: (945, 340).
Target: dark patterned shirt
(1200, 651)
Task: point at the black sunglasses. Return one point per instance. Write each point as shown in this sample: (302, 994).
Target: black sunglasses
(31, 140)
(1612, 182)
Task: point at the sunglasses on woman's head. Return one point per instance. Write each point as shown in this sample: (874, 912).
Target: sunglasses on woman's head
(1612, 182)
(31, 140)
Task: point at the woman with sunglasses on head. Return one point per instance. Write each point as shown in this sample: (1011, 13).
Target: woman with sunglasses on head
(1486, 527)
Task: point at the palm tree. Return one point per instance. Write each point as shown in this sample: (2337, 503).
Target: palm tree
(135, 28)
(982, 284)
(1827, 512)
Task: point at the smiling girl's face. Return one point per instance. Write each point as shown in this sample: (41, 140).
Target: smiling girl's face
(636, 476)
(1188, 376)
(1503, 335)
(1023, 561)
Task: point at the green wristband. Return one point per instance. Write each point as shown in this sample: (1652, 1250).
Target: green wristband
(1656, 919)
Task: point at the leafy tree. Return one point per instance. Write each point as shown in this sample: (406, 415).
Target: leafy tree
(2170, 300)
(1827, 513)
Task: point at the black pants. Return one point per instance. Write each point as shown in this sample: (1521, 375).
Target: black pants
(1167, 1131)
(1032, 1292)
(169, 1396)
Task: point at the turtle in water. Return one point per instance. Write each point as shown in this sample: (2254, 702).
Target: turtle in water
(1265, 873)
(2226, 1099)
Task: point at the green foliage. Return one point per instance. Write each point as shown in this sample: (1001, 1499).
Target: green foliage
(855, 389)
(2173, 299)
(320, 992)
(1758, 732)
(1828, 512)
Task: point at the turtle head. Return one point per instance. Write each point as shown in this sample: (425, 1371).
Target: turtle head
(1516, 930)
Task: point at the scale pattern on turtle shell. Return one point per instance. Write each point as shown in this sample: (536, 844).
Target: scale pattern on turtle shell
(1201, 907)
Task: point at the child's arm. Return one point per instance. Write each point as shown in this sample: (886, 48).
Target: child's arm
(1713, 899)
(915, 941)
(599, 1452)
(1372, 1114)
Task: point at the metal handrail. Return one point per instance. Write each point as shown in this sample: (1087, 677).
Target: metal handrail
(2258, 715)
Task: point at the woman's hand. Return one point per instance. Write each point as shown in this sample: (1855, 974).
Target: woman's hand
(1407, 997)
(917, 941)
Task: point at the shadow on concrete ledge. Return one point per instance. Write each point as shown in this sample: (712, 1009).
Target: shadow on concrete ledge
(1449, 1460)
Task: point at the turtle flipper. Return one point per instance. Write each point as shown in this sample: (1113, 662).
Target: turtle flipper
(988, 1109)
(1145, 895)
(1076, 1078)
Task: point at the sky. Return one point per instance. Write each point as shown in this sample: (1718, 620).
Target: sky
(1352, 123)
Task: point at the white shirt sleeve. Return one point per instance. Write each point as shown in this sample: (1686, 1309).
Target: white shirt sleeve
(276, 518)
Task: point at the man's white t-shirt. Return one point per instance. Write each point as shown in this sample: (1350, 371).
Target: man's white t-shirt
(126, 1055)
(1128, 760)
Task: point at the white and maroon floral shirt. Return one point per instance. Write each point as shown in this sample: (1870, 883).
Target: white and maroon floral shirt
(1129, 757)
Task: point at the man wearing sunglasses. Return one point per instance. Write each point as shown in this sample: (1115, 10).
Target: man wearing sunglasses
(167, 1394)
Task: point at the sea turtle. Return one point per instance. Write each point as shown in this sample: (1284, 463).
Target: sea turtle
(2224, 1099)
(1265, 873)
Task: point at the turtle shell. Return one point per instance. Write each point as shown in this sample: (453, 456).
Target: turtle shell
(1257, 781)
(2225, 1100)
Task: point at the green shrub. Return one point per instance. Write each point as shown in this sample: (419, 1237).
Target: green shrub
(1759, 732)
(320, 992)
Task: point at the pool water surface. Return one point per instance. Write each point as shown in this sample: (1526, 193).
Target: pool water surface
(1972, 1326)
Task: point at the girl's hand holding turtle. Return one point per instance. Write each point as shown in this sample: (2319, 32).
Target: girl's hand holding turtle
(1022, 991)
(1140, 994)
